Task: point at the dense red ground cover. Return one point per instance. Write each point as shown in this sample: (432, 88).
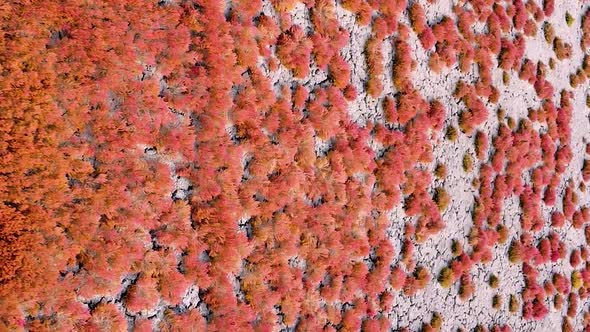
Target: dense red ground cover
(108, 105)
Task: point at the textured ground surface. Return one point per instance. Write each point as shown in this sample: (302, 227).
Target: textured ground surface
(275, 165)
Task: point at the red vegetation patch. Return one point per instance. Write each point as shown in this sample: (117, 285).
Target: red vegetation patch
(294, 49)
(178, 160)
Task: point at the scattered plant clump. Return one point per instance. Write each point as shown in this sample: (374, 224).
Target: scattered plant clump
(493, 281)
(496, 301)
(569, 19)
(442, 198)
(468, 162)
(440, 171)
(451, 133)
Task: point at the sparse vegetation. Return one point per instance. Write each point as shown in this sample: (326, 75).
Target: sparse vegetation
(497, 301)
(569, 19)
(452, 133)
(467, 162)
(513, 304)
(440, 171)
(493, 281)
(445, 277)
(456, 248)
(442, 198)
